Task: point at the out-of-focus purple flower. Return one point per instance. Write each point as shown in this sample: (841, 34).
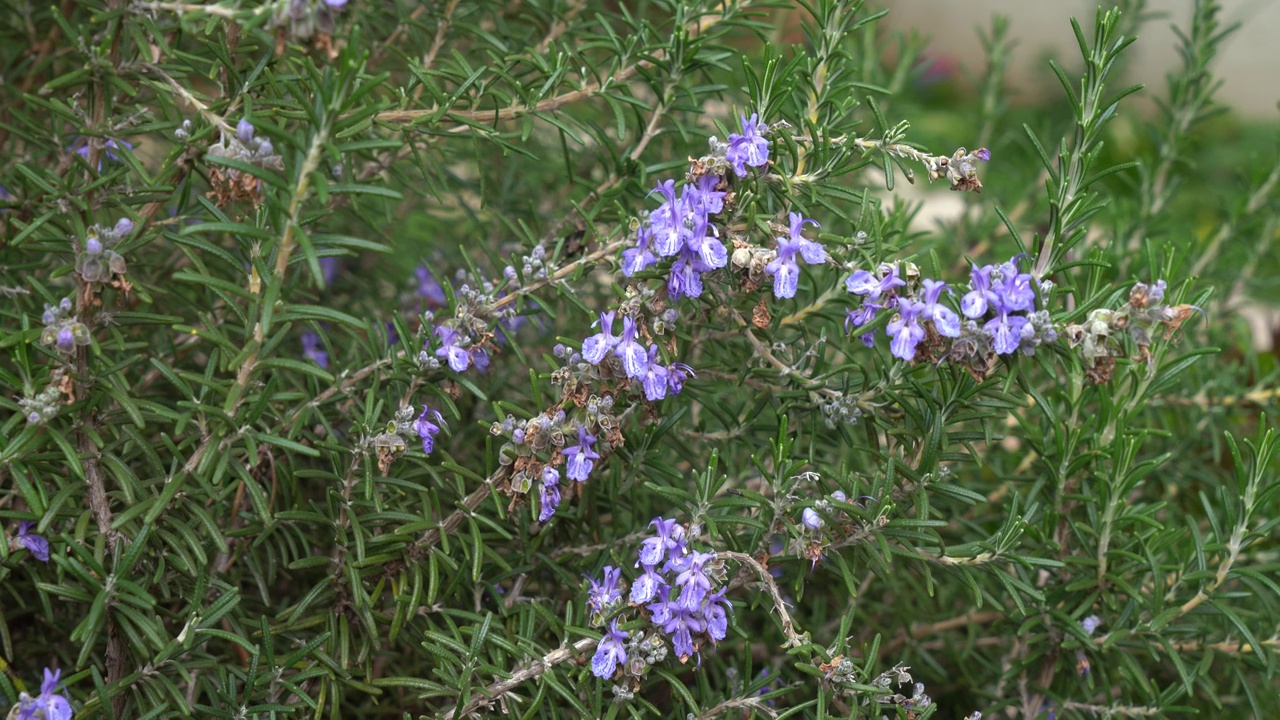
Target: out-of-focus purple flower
(811, 519)
(313, 350)
(549, 494)
(458, 358)
(983, 154)
(336, 4)
(1090, 624)
(783, 268)
(748, 148)
(108, 146)
(428, 288)
(582, 456)
(597, 346)
(610, 653)
(605, 594)
(37, 544)
(426, 429)
(905, 329)
(244, 131)
(66, 340)
(329, 267)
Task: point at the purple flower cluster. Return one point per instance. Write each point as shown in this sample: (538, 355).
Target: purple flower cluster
(49, 705)
(682, 228)
(678, 588)
(996, 293)
(999, 310)
(638, 363)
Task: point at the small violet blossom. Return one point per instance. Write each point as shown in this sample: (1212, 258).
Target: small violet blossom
(605, 594)
(582, 456)
(783, 268)
(597, 346)
(549, 494)
(459, 359)
(428, 289)
(610, 653)
(37, 544)
(426, 429)
(750, 148)
(313, 350)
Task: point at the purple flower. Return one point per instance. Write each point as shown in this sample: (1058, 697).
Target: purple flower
(108, 146)
(38, 546)
(905, 329)
(667, 222)
(783, 268)
(983, 154)
(944, 318)
(708, 200)
(668, 541)
(336, 4)
(1090, 624)
(648, 586)
(680, 622)
(459, 359)
(550, 493)
(244, 131)
(605, 594)
(638, 258)
(701, 242)
(49, 704)
(872, 287)
(1005, 331)
(692, 578)
(581, 456)
(426, 429)
(749, 148)
(313, 350)
(685, 279)
(66, 341)
(329, 267)
(677, 373)
(597, 346)
(610, 653)
(811, 519)
(635, 360)
(717, 614)
(655, 377)
(428, 288)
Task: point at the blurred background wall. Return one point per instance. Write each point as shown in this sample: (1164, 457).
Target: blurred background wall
(1249, 65)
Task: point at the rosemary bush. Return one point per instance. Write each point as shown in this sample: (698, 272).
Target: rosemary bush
(572, 359)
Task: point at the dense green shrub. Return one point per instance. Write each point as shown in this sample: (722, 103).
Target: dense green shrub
(304, 414)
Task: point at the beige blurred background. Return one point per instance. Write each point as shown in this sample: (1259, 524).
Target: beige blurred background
(1249, 64)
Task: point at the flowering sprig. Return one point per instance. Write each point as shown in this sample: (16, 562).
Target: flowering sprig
(1099, 339)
